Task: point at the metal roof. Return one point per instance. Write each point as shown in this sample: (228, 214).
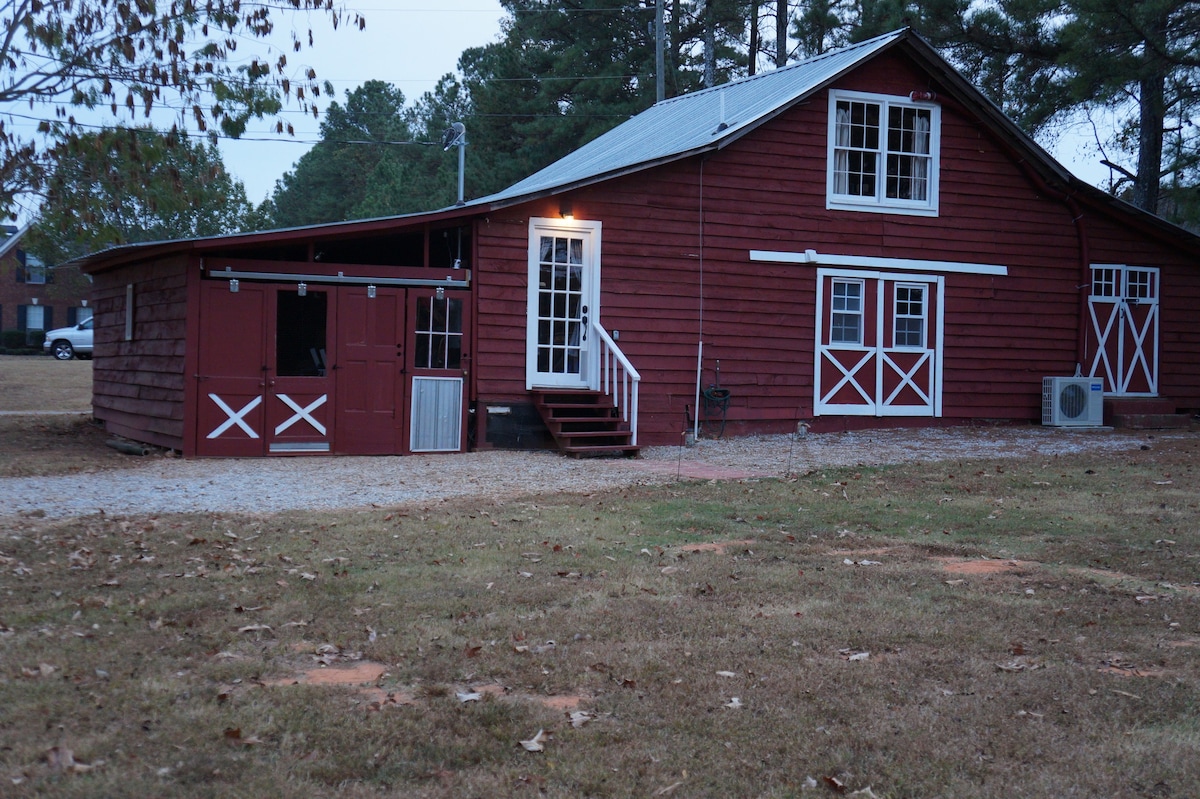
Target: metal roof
(693, 122)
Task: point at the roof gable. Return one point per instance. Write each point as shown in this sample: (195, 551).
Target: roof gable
(12, 237)
(693, 123)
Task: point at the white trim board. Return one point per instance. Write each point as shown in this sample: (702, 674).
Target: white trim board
(869, 262)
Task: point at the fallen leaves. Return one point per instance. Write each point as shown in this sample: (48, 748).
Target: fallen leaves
(60, 758)
(537, 743)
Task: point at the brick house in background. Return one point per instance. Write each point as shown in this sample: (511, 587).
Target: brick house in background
(34, 296)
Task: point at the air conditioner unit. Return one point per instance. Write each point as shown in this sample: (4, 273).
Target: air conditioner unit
(1073, 401)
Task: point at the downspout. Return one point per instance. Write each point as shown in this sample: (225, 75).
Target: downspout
(1085, 258)
(1077, 214)
(700, 331)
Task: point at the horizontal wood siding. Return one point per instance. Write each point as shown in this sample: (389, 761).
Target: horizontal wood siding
(138, 385)
(681, 230)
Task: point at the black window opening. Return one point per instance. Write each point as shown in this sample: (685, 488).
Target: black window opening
(300, 325)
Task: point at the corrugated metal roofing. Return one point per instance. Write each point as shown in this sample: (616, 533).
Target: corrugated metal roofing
(693, 122)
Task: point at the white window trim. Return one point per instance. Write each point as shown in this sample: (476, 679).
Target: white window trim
(871, 262)
(924, 315)
(861, 313)
(881, 204)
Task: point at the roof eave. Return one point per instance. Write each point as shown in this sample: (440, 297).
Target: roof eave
(114, 257)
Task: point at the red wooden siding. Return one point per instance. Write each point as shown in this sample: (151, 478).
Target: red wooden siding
(767, 192)
(675, 269)
(138, 385)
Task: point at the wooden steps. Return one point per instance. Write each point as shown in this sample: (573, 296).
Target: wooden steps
(585, 424)
(1144, 413)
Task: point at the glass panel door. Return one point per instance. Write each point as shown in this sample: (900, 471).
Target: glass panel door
(563, 297)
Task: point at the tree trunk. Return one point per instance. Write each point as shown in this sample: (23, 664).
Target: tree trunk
(1152, 112)
(781, 32)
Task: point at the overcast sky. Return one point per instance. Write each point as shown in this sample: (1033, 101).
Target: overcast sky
(407, 43)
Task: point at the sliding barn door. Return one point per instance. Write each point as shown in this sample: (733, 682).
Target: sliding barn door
(878, 344)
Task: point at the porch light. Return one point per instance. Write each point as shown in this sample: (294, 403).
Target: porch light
(441, 292)
(371, 292)
(34, 300)
(565, 210)
(233, 286)
(302, 290)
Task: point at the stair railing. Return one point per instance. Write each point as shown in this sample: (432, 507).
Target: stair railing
(618, 379)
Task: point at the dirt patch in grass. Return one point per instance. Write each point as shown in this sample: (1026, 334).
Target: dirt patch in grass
(960, 566)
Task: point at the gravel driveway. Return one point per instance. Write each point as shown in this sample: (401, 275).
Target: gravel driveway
(164, 485)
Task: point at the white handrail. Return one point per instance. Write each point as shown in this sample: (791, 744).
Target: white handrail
(614, 367)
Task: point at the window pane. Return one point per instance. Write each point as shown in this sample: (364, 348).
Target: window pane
(1104, 282)
(846, 322)
(908, 329)
(1137, 285)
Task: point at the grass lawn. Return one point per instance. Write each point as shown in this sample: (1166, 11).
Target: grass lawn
(963, 629)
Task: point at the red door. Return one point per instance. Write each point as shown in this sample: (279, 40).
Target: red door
(438, 361)
(232, 370)
(369, 366)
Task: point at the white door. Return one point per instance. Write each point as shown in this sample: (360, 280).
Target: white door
(564, 297)
(1123, 330)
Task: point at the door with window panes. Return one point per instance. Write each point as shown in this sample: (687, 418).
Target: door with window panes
(439, 329)
(564, 296)
(878, 342)
(1122, 332)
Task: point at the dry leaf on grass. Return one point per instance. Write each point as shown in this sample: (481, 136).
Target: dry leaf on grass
(580, 717)
(60, 758)
(726, 674)
(734, 703)
(537, 743)
(834, 784)
(667, 789)
(234, 736)
(255, 628)
(468, 696)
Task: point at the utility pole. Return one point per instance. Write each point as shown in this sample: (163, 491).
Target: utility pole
(781, 33)
(660, 83)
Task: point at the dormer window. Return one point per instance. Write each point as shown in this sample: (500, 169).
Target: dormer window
(883, 154)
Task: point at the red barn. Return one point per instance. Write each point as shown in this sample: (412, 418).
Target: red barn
(859, 239)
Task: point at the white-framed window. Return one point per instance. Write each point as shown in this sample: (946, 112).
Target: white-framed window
(35, 317)
(1104, 281)
(1138, 284)
(883, 154)
(846, 304)
(908, 321)
(35, 270)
